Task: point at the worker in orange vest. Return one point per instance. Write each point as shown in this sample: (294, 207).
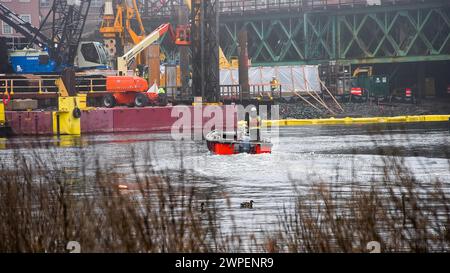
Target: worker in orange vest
(274, 84)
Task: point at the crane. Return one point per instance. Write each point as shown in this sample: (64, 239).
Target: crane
(62, 48)
(126, 90)
(117, 26)
(180, 36)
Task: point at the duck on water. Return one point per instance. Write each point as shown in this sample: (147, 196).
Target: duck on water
(247, 205)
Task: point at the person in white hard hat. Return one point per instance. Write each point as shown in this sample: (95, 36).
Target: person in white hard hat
(254, 124)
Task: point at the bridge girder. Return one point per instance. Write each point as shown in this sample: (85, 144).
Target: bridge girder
(353, 35)
(390, 34)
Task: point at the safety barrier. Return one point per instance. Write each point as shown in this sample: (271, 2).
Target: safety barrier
(347, 121)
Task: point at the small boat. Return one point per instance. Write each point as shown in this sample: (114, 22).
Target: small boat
(228, 143)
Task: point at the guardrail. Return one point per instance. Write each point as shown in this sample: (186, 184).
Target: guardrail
(261, 91)
(12, 86)
(155, 9)
(230, 93)
(244, 6)
(47, 85)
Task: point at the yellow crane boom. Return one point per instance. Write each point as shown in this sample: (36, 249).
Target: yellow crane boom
(119, 25)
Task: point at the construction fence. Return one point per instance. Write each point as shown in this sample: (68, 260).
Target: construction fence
(301, 79)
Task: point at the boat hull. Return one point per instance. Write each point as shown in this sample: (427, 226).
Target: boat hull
(223, 148)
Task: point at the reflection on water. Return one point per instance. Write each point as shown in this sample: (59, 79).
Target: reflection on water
(345, 155)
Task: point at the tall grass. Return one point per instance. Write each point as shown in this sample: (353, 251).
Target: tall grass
(44, 205)
(399, 212)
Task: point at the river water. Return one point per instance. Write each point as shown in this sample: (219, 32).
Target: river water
(342, 155)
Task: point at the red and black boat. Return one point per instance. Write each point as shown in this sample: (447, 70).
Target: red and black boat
(228, 143)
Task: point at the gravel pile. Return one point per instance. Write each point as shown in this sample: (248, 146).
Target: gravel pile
(300, 110)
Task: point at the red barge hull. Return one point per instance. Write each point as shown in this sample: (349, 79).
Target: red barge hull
(116, 120)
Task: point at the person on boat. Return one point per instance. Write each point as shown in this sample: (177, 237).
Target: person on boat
(254, 125)
(161, 91)
(246, 145)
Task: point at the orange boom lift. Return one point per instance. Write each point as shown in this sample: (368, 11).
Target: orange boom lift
(132, 90)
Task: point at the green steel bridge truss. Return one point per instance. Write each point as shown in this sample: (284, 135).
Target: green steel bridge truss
(370, 35)
(353, 35)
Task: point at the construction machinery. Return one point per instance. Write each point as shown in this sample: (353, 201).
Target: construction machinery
(57, 53)
(134, 90)
(224, 63)
(119, 30)
(366, 85)
(62, 48)
(120, 16)
(363, 71)
(180, 37)
(122, 28)
(359, 86)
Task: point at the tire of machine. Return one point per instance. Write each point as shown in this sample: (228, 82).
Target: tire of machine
(357, 99)
(109, 101)
(76, 113)
(162, 100)
(141, 100)
(365, 98)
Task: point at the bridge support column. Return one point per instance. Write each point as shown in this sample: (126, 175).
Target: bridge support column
(205, 50)
(243, 66)
(420, 81)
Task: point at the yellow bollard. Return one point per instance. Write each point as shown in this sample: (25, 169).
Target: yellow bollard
(67, 120)
(2, 114)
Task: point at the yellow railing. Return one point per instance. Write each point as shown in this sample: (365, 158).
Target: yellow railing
(43, 85)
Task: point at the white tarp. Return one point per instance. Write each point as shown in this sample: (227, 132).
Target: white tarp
(301, 79)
